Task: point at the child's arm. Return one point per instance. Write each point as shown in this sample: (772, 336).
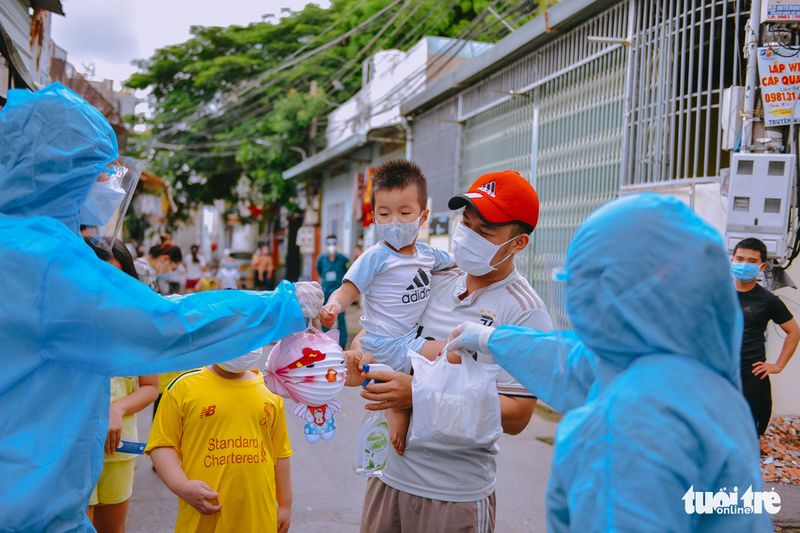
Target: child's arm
(341, 299)
(194, 492)
(128, 405)
(283, 486)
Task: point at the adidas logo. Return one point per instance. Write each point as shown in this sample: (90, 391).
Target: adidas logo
(420, 287)
(488, 188)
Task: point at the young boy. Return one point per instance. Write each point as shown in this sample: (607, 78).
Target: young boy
(219, 442)
(394, 275)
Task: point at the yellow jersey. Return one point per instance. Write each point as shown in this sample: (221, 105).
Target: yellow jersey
(230, 434)
(166, 378)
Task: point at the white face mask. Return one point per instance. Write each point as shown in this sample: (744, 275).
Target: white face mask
(398, 234)
(242, 363)
(102, 202)
(473, 254)
(331, 249)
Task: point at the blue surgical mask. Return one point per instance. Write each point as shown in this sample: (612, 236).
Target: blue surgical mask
(228, 265)
(745, 271)
(102, 202)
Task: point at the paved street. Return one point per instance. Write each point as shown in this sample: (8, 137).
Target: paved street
(328, 496)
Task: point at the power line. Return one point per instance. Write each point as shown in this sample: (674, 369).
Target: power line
(439, 63)
(254, 83)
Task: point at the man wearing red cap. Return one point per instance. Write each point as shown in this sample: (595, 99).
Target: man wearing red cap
(433, 488)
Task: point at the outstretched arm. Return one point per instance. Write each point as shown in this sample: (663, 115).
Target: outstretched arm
(104, 321)
(341, 299)
(554, 366)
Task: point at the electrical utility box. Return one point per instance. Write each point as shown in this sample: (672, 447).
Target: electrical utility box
(760, 200)
(786, 11)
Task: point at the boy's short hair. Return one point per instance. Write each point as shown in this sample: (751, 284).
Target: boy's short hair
(756, 245)
(399, 174)
(173, 252)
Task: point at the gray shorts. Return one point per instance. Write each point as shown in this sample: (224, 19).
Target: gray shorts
(388, 510)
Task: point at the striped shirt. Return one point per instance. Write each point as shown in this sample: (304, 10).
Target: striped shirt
(511, 301)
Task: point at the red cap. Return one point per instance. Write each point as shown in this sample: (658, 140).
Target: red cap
(501, 198)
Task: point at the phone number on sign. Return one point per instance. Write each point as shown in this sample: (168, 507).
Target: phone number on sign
(780, 97)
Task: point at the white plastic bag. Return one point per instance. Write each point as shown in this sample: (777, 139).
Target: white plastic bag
(455, 404)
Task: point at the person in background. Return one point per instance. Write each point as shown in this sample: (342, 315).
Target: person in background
(194, 267)
(176, 280)
(166, 239)
(759, 307)
(263, 268)
(158, 261)
(220, 443)
(108, 505)
(228, 276)
(332, 266)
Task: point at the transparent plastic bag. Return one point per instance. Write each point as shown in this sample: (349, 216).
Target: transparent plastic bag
(455, 404)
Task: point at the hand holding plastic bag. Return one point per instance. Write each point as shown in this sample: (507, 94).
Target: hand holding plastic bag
(455, 404)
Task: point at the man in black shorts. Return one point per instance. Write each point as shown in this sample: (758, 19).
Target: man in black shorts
(759, 306)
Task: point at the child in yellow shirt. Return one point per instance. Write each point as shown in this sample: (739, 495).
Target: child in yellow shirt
(219, 442)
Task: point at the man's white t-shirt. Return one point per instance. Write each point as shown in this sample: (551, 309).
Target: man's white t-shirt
(437, 472)
(395, 287)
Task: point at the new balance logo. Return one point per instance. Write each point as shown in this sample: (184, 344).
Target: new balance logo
(488, 188)
(420, 287)
(205, 412)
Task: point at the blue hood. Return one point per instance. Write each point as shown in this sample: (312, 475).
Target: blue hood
(55, 145)
(635, 268)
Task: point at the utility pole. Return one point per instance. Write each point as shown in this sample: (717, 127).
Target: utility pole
(751, 77)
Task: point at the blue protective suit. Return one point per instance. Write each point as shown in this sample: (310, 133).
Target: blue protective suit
(649, 379)
(68, 320)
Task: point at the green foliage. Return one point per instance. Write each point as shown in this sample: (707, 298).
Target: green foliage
(207, 131)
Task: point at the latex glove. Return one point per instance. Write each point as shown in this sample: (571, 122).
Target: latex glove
(310, 296)
(469, 338)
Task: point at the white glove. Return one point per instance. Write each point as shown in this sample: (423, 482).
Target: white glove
(469, 338)
(310, 296)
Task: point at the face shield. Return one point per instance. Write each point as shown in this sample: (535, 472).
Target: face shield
(103, 212)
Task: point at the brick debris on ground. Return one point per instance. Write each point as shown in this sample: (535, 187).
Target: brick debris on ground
(780, 451)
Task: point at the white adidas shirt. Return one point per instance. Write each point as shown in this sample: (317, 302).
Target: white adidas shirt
(468, 474)
(395, 287)
(511, 301)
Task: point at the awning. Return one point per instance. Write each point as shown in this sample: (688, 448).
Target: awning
(19, 71)
(53, 6)
(351, 143)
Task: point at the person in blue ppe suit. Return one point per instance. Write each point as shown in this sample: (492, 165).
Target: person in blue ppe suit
(649, 378)
(69, 321)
